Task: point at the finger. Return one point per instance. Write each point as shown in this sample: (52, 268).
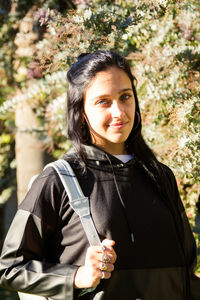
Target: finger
(107, 258)
(93, 262)
(94, 252)
(106, 267)
(109, 246)
(109, 255)
(105, 275)
(94, 257)
(108, 243)
(114, 255)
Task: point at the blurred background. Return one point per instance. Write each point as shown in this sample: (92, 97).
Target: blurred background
(39, 39)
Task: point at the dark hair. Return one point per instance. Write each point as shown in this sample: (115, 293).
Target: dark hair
(79, 76)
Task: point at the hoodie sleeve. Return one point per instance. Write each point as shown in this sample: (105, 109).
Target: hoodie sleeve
(23, 266)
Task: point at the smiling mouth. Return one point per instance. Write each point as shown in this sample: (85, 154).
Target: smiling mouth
(118, 125)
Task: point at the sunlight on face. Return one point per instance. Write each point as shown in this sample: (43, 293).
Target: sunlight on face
(109, 109)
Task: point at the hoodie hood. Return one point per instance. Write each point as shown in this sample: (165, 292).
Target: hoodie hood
(94, 153)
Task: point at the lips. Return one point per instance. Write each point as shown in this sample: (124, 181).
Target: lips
(117, 124)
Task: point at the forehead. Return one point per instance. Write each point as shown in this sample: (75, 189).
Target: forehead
(110, 79)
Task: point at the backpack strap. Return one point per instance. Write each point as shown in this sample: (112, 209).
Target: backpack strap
(77, 200)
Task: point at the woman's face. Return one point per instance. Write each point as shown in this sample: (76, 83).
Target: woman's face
(109, 109)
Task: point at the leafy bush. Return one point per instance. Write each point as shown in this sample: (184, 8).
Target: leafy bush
(161, 40)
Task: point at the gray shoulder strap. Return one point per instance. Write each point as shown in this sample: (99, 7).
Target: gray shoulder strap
(77, 200)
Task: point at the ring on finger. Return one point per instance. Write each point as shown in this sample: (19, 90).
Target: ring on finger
(103, 275)
(103, 248)
(103, 267)
(106, 258)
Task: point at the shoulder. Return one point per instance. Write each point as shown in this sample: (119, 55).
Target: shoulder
(46, 179)
(167, 171)
(169, 175)
(172, 187)
(169, 178)
(46, 190)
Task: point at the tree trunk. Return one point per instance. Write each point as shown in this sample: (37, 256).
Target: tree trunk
(29, 150)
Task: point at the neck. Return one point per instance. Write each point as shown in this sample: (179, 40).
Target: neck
(113, 149)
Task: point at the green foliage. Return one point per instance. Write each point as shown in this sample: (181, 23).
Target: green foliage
(7, 172)
(167, 70)
(19, 31)
(161, 40)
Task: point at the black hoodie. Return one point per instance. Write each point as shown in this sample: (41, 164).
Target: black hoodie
(46, 242)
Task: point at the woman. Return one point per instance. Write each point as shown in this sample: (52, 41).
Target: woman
(149, 251)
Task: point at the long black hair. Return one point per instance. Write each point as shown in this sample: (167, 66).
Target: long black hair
(79, 76)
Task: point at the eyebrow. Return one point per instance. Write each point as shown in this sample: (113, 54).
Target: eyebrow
(106, 95)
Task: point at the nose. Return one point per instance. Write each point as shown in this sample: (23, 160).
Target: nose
(117, 109)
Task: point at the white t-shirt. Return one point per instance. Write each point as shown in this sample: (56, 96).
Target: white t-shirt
(124, 157)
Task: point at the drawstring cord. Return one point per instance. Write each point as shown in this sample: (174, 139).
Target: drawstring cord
(121, 200)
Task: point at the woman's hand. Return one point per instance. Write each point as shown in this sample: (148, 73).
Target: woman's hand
(99, 264)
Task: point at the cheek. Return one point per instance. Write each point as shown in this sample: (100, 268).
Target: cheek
(92, 119)
(95, 117)
(90, 115)
(131, 112)
(97, 122)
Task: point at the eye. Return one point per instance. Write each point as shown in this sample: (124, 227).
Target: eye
(102, 102)
(125, 97)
